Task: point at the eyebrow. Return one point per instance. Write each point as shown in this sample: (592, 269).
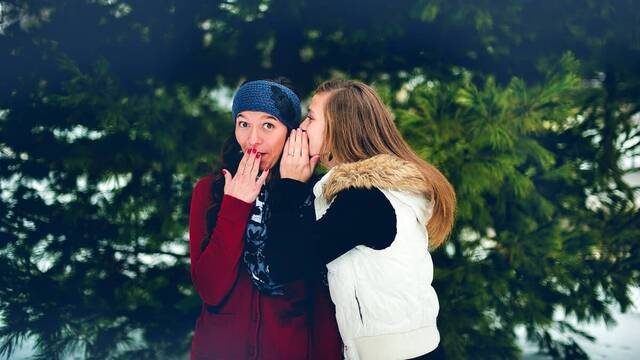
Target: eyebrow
(267, 117)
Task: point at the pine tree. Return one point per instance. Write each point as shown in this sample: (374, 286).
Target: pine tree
(107, 118)
(536, 238)
(96, 187)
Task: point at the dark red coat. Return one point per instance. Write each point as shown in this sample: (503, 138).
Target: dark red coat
(236, 320)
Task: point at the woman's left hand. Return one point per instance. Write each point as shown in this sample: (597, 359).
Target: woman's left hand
(295, 162)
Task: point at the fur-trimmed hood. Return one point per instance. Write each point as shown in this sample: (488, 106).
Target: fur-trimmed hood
(386, 172)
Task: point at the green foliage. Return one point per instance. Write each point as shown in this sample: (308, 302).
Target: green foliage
(95, 197)
(529, 244)
(107, 117)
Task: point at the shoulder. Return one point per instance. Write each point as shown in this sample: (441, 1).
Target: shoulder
(204, 182)
(314, 179)
(361, 199)
(202, 187)
(381, 171)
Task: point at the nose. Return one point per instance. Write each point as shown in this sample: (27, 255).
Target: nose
(304, 124)
(254, 138)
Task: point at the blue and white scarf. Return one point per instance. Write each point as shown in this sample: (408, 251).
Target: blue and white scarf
(255, 239)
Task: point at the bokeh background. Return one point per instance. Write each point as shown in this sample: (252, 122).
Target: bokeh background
(111, 109)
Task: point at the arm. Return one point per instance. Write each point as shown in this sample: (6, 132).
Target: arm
(214, 270)
(356, 217)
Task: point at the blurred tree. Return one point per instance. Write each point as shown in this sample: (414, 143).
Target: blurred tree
(536, 238)
(108, 114)
(95, 197)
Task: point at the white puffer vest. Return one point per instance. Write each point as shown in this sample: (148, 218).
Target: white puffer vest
(386, 307)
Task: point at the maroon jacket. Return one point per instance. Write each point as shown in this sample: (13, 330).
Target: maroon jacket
(236, 320)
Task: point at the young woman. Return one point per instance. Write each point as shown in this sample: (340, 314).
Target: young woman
(245, 313)
(378, 210)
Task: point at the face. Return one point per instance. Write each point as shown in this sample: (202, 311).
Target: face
(314, 123)
(265, 133)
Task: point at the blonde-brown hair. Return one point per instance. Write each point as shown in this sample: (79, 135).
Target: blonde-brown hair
(358, 126)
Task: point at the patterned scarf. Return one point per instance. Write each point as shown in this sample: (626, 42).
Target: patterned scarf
(254, 243)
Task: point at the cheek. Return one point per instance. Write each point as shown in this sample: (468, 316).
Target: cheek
(278, 146)
(316, 137)
(276, 143)
(241, 139)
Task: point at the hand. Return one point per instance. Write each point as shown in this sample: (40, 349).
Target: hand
(245, 185)
(295, 162)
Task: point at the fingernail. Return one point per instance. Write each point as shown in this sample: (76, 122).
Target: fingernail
(224, 172)
(258, 155)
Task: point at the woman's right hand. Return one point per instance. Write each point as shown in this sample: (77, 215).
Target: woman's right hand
(245, 185)
(296, 163)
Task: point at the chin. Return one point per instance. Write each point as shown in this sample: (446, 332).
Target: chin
(264, 165)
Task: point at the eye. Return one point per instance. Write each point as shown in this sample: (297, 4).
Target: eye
(308, 118)
(268, 126)
(243, 124)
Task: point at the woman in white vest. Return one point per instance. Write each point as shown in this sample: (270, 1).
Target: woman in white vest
(378, 211)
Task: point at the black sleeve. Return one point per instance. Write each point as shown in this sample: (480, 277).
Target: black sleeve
(356, 217)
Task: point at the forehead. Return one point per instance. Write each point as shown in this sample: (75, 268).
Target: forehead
(318, 101)
(256, 116)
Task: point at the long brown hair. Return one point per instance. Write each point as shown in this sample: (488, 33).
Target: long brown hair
(358, 126)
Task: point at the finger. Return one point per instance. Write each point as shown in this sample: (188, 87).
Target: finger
(227, 177)
(314, 161)
(305, 145)
(298, 147)
(248, 168)
(243, 162)
(285, 150)
(263, 177)
(292, 143)
(256, 167)
(284, 157)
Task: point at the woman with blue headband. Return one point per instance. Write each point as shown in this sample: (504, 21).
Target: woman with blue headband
(246, 314)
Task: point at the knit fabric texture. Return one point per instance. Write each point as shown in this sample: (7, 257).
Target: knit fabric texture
(268, 97)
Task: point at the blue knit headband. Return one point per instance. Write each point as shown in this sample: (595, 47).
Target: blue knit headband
(269, 97)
